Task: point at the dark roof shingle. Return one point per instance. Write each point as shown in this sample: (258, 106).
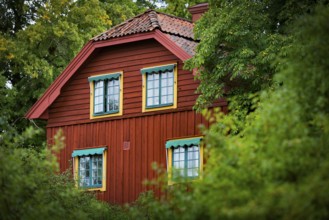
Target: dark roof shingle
(177, 29)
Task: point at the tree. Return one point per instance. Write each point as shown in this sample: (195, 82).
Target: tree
(239, 42)
(179, 8)
(37, 42)
(276, 166)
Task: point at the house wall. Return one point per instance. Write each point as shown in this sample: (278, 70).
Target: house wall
(72, 106)
(147, 133)
(127, 169)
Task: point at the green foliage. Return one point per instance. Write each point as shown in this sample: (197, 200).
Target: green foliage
(31, 189)
(275, 166)
(179, 8)
(37, 41)
(16, 15)
(239, 43)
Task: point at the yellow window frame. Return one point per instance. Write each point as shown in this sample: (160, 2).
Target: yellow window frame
(91, 86)
(170, 160)
(173, 106)
(76, 173)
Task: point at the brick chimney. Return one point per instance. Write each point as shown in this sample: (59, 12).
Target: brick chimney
(198, 10)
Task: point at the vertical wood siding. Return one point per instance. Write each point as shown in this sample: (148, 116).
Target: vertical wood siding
(146, 132)
(72, 106)
(127, 169)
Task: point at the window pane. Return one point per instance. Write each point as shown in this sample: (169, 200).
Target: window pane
(163, 99)
(170, 74)
(164, 91)
(170, 99)
(164, 75)
(150, 101)
(99, 84)
(170, 81)
(182, 156)
(156, 84)
(116, 90)
(176, 157)
(196, 163)
(163, 82)
(156, 101)
(156, 92)
(170, 90)
(150, 93)
(196, 155)
(116, 105)
(181, 164)
(90, 170)
(190, 155)
(110, 90)
(99, 96)
(156, 77)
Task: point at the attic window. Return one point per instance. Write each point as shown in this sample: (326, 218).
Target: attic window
(106, 95)
(159, 87)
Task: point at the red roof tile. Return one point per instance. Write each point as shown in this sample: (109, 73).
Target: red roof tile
(179, 30)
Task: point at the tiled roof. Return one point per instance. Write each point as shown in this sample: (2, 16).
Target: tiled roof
(177, 29)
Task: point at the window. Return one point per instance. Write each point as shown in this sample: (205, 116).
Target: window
(159, 87)
(185, 158)
(90, 168)
(186, 161)
(106, 95)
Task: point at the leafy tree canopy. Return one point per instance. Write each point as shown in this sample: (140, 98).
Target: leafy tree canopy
(239, 42)
(37, 41)
(276, 167)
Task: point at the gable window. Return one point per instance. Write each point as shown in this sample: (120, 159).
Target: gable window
(185, 158)
(90, 168)
(106, 95)
(159, 87)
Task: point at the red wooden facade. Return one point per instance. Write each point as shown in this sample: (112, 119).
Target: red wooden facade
(135, 139)
(147, 133)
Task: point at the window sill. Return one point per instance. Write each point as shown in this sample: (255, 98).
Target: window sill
(93, 188)
(105, 114)
(159, 106)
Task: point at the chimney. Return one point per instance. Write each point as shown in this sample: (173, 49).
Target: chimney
(198, 10)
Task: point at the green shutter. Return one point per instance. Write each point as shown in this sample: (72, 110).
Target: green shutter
(87, 152)
(102, 77)
(158, 69)
(183, 142)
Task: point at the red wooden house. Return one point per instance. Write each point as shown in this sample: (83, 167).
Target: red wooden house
(124, 102)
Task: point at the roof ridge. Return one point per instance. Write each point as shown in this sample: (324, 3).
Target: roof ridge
(152, 15)
(153, 20)
(121, 24)
(173, 16)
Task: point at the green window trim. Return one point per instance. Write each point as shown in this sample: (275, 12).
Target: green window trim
(91, 151)
(183, 142)
(158, 69)
(103, 77)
